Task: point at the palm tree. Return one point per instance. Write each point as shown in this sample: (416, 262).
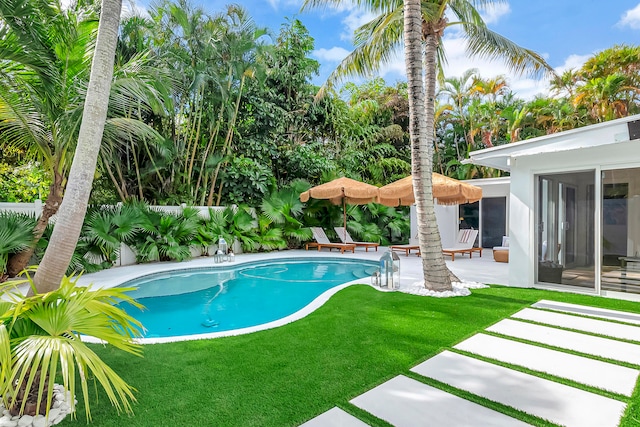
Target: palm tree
(42, 89)
(375, 43)
(604, 97)
(74, 205)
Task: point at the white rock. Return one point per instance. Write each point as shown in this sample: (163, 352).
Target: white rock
(39, 421)
(4, 422)
(56, 404)
(54, 413)
(59, 419)
(25, 420)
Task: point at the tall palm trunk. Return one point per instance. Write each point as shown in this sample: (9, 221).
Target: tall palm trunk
(421, 131)
(20, 261)
(74, 204)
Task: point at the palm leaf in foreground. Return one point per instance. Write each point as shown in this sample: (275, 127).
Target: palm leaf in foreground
(43, 333)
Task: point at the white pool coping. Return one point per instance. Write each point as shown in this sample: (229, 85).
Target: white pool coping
(411, 270)
(303, 312)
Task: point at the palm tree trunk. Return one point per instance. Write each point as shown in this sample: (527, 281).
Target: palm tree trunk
(421, 131)
(74, 204)
(20, 261)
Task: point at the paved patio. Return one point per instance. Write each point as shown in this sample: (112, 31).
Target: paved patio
(477, 269)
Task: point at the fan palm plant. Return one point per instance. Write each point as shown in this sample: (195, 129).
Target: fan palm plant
(283, 211)
(165, 236)
(40, 342)
(16, 234)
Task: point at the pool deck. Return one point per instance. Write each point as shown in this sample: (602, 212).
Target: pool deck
(477, 269)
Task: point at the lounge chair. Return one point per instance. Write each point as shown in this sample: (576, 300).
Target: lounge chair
(414, 244)
(322, 241)
(466, 239)
(344, 236)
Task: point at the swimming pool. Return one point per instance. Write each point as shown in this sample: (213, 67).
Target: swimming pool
(188, 303)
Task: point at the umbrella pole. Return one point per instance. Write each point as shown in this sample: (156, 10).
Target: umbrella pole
(344, 214)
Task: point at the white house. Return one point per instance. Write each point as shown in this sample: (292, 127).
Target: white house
(574, 208)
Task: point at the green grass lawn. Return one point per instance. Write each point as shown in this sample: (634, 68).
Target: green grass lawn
(285, 376)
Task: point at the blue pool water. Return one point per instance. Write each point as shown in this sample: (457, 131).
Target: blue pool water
(218, 299)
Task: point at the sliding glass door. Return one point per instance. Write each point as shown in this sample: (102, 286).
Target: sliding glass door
(565, 229)
(621, 230)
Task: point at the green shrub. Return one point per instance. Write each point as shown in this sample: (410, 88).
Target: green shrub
(23, 184)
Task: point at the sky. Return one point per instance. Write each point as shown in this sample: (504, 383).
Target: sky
(564, 32)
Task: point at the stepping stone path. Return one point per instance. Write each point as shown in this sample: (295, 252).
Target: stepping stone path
(477, 366)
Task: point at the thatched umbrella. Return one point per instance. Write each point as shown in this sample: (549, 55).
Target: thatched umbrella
(446, 191)
(343, 190)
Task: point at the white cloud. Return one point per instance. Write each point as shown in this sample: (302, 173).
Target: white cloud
(631, 18)
(355, 19)
(335, 54)
(494, 11)
(458, 62)
(572, 62)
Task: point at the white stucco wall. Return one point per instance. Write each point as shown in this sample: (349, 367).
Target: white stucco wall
(447, 216)
(523, 254)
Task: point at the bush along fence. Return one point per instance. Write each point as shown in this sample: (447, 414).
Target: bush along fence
(135, 233)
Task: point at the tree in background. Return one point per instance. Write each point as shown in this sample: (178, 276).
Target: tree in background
(42, 90)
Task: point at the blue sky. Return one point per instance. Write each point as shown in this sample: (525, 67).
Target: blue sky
(565, 32)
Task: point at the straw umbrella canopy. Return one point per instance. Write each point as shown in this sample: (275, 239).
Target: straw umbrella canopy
(446, 191)
(342, 191)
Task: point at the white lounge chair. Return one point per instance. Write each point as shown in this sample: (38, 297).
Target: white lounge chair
(466, 239)
(322, 241)
(344, 236)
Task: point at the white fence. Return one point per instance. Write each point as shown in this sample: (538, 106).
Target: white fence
(126, 255)
(36, 207)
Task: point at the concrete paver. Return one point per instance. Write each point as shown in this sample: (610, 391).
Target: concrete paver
(546, 399)
(334, 417)
(588, 344)
(621, 316)
(596, 373)
(405, 402)
(601, 327)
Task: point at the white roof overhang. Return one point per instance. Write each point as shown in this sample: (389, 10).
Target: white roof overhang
(499, 157)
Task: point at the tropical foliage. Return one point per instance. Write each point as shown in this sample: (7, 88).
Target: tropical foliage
(228, 114)
(40, 343)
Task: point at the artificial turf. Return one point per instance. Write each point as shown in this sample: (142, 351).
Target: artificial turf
(288, 375)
